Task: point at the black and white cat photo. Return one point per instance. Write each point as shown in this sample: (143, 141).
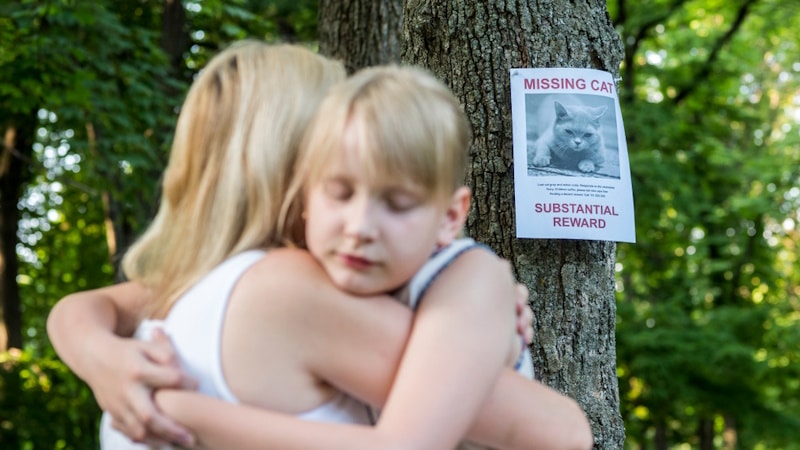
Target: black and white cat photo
(570, 137)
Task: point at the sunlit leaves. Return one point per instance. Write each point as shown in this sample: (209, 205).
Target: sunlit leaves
(103, 98)
(714, 155)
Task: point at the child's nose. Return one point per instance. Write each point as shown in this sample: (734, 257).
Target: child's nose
(361, 220)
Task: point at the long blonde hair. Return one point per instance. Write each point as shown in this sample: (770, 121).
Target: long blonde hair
(235, 144)
(412, 127)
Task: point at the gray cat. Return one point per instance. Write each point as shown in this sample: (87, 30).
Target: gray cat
(573, 142)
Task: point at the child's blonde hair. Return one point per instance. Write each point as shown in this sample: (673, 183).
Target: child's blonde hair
(235, 144)
(411, 126)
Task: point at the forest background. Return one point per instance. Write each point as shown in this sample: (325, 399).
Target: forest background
(708, 301)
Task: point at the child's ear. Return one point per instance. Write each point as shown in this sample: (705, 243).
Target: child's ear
(455, 216)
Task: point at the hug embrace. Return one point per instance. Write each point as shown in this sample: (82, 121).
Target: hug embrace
(305, 282)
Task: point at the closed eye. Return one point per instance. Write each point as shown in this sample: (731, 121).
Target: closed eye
(401, 200)
(337, 189)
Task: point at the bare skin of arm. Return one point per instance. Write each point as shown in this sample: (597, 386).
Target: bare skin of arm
(551, 421)
(547, 416)
(90, 332)
(357, 346)
(458, 346)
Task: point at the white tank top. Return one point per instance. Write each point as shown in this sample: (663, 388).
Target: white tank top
(194, 324)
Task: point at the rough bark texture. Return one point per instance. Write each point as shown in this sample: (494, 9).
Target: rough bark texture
(360, 33)
(472, 44)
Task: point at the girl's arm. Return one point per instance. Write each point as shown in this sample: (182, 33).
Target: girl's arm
(220, 425)
(525, 414)
(85, 330)
(460, 342)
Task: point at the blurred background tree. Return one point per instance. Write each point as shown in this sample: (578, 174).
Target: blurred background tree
(708, 306)
(708, 309)
(89, 93)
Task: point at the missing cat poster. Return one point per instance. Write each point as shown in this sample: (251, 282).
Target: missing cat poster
(571, 172)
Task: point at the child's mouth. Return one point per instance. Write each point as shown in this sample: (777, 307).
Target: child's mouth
(356, 262)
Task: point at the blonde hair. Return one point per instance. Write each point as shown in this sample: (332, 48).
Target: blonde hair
(411, 126)
(235, 144)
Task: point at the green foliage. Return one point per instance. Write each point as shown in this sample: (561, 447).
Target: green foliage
(707, 298)
(215, 23)
(105, 95)
(43, 405)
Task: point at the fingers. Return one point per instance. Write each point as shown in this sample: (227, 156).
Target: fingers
(133, 424)
(162, 432)
(143, 423)
(162, 427)
(125, 389)
(527, 335)
(161, 350)
(522, 294)
(158, 376)
(166, 371)
(524, 314)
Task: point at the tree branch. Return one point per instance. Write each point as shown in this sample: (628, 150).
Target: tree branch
(628, 78)
(705, 69)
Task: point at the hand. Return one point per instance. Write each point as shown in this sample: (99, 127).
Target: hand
(125, 383)
(524, 315)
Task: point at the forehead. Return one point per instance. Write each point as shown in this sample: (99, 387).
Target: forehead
(349, 167)
(358, 151)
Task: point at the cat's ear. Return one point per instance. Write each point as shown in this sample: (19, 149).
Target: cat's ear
(595, 114)
(561, 112)
(455, 216)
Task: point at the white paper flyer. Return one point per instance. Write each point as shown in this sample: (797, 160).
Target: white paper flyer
(571, 171)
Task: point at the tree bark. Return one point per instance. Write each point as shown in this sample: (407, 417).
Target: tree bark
(472, 45)
(360, 33)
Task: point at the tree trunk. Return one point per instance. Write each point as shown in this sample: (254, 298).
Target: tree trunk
(360, 33)
(472, 45)
(705, 432)
(123, 223)
(730, 436)
(14, 172)
(660, 439)
(174, 38)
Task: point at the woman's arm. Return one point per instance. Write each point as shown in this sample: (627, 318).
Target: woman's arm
(85, 330)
